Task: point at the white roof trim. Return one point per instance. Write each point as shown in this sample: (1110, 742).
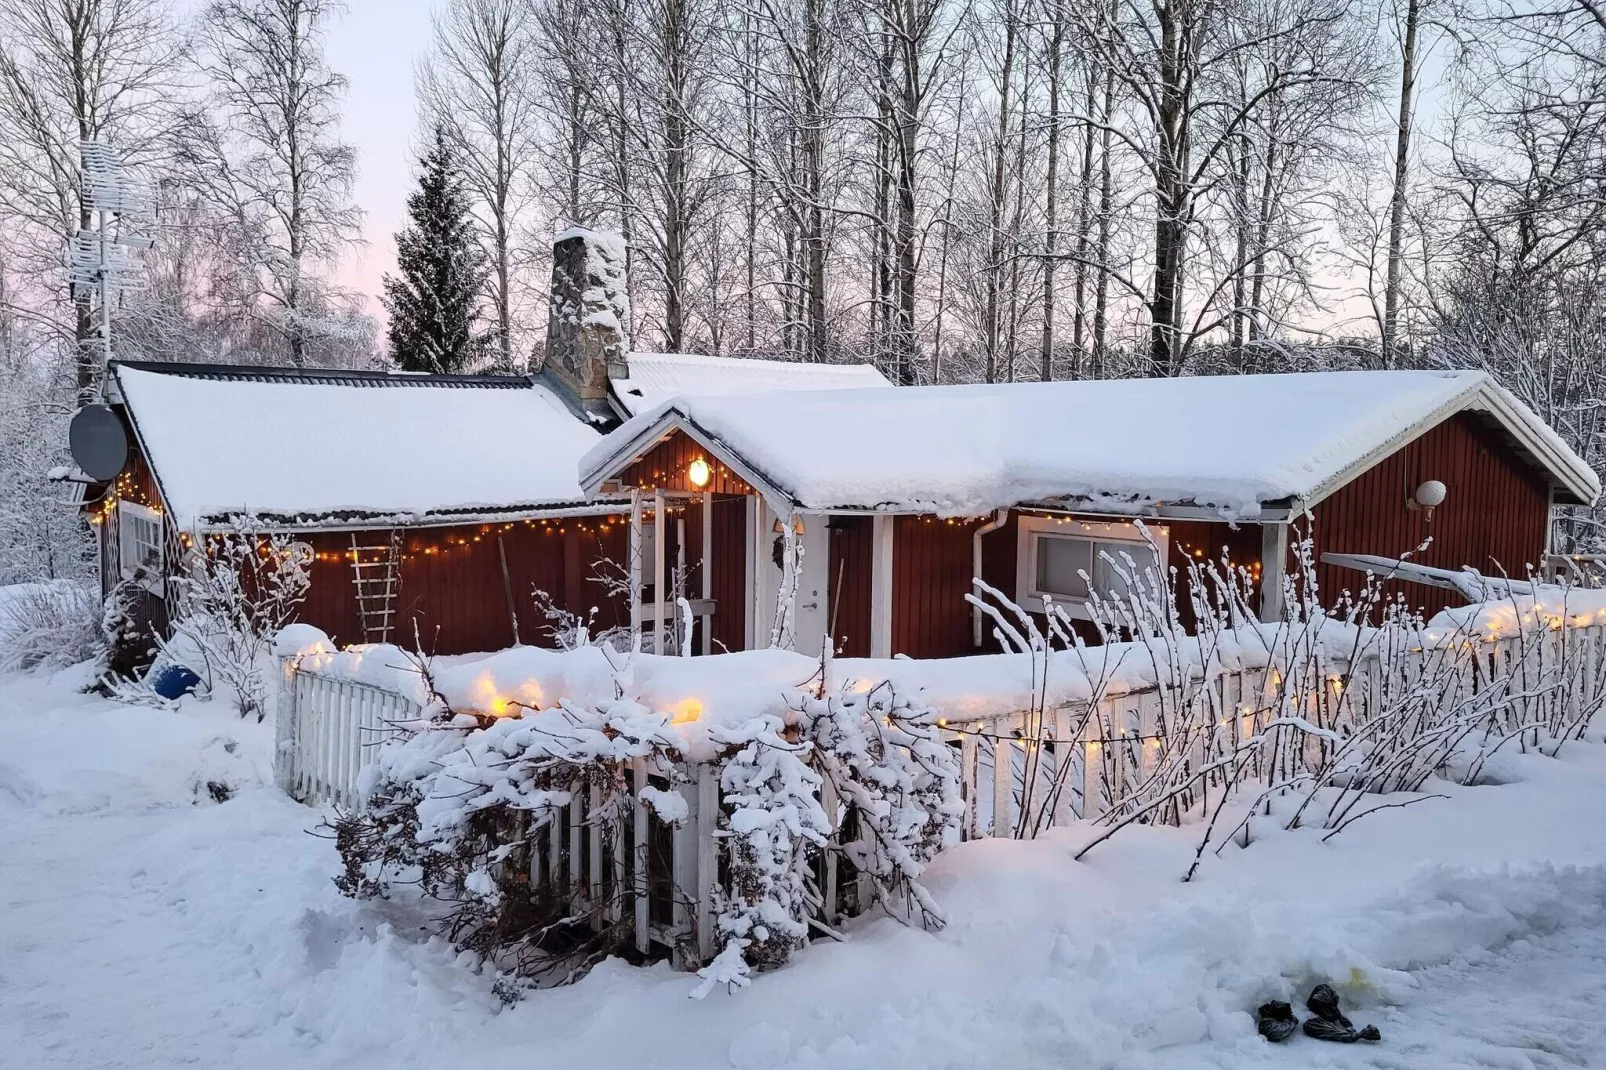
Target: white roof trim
(1523, 424)
(670, 421)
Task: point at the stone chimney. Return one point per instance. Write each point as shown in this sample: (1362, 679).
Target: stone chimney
(585, 335)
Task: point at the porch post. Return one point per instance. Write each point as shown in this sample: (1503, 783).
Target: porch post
(659, 580)
(881, 586)
(755, 559)
(635, 564)
(708, 568)
(1273, 563)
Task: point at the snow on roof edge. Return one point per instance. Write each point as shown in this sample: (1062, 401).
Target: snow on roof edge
(375, 451)
(1463, 390)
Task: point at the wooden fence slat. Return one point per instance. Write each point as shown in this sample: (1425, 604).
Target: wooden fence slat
(707, 858)
(1003, 778)
(1064, 766)
(640, 842)
(970, 782)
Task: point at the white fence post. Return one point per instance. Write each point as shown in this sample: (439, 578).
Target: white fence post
(284, 728)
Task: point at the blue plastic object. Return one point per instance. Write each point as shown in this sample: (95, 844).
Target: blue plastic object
(174, 680)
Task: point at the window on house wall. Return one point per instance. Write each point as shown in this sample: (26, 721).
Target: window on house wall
(139, 540)
(1066, 560)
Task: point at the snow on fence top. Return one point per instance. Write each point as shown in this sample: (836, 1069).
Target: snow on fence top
(724, 690)
(730, 689)
(656, 377)
(1229, 443)
(370, 445)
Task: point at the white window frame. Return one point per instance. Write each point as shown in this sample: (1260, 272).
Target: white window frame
(126, 540)
(1031, 529)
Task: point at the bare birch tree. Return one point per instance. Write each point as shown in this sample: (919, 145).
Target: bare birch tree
(266, 148)
(479, 86)
(74, 70)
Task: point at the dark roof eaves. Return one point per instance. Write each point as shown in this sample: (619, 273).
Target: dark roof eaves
(251, 373)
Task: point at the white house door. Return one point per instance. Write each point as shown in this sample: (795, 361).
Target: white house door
(813, 587)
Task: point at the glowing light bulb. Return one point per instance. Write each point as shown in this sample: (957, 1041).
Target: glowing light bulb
(698, 472)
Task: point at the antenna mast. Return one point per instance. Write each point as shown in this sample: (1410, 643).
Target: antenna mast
(102, 259)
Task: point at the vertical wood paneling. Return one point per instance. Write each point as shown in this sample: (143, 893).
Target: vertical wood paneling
(456, 593)
(1495, 514)
(730, 572)
(664, 465)
(850, 584)
(931, 562)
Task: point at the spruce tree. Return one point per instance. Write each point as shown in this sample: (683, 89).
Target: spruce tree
(440, 270)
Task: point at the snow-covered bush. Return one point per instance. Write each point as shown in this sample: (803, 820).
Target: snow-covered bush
(885, 759)
(774, 824)
(866, 774)
(479, 813)
(49, 624)
(237, 589)
(463, 807)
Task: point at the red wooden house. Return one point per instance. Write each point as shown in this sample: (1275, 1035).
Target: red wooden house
(441, 502)
(901, 496)
(444, 501)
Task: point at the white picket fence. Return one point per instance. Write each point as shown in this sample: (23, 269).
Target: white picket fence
(329, 728)
(1114, 745)
(326, 731)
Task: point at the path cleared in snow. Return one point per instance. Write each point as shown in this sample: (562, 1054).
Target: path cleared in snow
(143, 925)
(1538, 1002)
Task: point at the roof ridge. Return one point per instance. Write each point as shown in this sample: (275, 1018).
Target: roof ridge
(241, 373)
(729, 358)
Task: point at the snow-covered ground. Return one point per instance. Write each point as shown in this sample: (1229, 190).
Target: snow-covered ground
(142, 924)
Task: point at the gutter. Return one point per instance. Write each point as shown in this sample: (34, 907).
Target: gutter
(999, 519)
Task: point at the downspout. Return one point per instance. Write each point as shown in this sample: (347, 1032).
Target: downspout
(999, 519)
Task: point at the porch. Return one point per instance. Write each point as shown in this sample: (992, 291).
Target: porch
(752, 569)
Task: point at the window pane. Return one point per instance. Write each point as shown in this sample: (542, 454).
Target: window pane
(1058, 561)
(1107, 574)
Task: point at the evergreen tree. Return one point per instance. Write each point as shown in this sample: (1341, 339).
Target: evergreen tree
(432, 299)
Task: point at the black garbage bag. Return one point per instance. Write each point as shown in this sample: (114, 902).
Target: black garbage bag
(1323, 1003)
(1276, 1020)
(1341, 1032)
(1330, 1023)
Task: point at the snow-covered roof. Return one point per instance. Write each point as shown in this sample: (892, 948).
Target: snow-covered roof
(1227, 444)
(330, 447)
(656, 377)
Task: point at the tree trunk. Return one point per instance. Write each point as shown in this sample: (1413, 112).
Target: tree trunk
(1045, 362)
(1101, 300)
(1402, 145)
(992, 321)
(1171, 195)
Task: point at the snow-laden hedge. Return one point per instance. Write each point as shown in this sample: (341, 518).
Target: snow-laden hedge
(464, 805)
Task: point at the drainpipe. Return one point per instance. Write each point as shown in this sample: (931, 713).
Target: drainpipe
(998, 521)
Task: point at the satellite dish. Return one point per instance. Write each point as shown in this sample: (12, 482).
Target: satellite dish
(99, 443)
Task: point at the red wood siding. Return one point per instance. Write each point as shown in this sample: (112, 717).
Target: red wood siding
(851, 551)
(664, 466)
(452, 587)
(1205, 540)
(1496, 512)
(931, 573)
(730, 572)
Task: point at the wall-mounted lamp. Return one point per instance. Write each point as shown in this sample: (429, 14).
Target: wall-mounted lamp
(699, 473)
(1428, 496)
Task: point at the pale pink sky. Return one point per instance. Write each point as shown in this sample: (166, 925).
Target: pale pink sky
(374, 44)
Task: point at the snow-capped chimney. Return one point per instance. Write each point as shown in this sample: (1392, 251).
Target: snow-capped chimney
(585, 334)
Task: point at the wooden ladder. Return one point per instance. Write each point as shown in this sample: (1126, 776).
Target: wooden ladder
(373, 574)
